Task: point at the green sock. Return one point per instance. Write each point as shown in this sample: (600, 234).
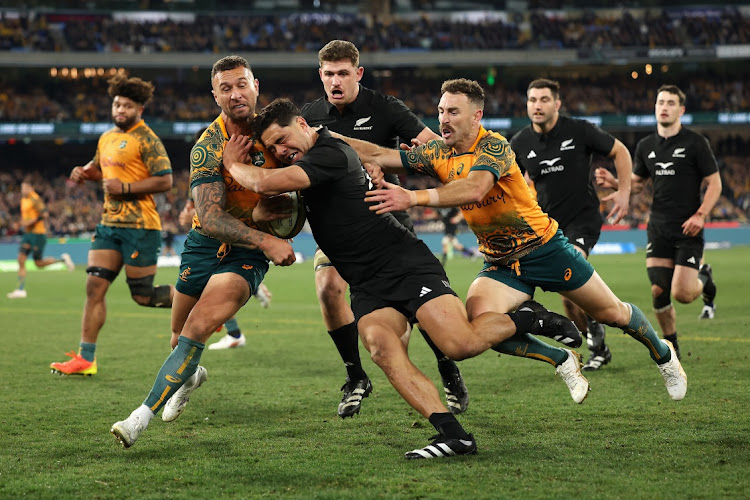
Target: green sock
(641, 330)
(528, 346)
(87, 351)
(177, 368)
(21, 283)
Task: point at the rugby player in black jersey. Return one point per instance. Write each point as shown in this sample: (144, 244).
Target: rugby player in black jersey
(678, 161)
(393, 276)
(352, 110)
(555, 152)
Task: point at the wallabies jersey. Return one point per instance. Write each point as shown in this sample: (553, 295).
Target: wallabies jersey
(508, 222)
(32, 207)
(131, 156)
(206, 166)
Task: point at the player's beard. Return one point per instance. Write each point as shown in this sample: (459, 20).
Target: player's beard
(126, 123)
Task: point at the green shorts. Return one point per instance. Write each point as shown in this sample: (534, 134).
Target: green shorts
(32, 243)
(139, 247)
(554, 267)
(202, 257)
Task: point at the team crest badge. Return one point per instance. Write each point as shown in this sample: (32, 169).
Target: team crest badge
(258, 158)
(123, 144)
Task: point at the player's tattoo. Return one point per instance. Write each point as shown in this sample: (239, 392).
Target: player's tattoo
(210, 199)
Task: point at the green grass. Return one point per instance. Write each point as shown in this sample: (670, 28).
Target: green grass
(265, 423)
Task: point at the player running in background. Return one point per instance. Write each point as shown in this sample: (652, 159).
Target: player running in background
(555, 152)
(353, 110)
(678, 161)
(132, 165)
(33, 221)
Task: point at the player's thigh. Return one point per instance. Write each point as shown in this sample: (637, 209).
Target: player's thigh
(105, 258)
(445, 319)
(491, 295)
(222, 297)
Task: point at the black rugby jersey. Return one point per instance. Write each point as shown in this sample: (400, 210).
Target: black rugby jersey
(363, 246)
(559, 163)
(677, 166)
(374, 117)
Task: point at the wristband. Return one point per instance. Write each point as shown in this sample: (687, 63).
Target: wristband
(423, 197)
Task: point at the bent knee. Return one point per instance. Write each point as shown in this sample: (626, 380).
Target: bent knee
(683, 297)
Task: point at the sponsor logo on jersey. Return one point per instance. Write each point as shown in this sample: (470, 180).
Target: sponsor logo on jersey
(581, 241)
(358, 125)
(531, 154)
(664, 164)
(691, 260)
(123, 144)
(424, 291)
(567, 144)
(652, 155)
(550, 162)
(678, 153)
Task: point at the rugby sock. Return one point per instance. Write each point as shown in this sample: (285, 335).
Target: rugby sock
(87, 351)
(233, 328)
(438, 353)
(346, 339)
(21, 283)
(447, 425)
(177, 368)
(641, 330)
(528, 346)
(673, 338)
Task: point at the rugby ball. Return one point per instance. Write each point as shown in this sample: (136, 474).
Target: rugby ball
(289, 226)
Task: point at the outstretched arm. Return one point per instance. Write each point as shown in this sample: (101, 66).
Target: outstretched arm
(388, 159)
(472, 189)
(620, 198)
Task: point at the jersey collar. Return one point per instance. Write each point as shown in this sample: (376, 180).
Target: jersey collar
(135, 126)
(482, 133)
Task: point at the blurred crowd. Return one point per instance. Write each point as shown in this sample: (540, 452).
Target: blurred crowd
(74, 210)
(86, 100)
(306, 32)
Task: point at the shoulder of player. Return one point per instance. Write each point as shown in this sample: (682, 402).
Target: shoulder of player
(314, 108)
(493, 143)
(522, 137)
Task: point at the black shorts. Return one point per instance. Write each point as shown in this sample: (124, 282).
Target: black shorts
(666, 243)
(584, 235)
(406, 295)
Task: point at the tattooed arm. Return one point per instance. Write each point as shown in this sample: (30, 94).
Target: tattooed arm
(209, 201)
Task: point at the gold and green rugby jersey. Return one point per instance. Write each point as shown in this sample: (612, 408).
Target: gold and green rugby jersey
(508, 222)
(131, 156)
(206, 166)
(32, 207)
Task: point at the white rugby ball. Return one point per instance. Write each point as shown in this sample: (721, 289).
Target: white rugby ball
(289, 226)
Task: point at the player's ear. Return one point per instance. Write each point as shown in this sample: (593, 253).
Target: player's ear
(360, 72)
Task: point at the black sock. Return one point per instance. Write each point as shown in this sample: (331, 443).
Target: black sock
(523, 320)
(447, 425)
(346, 339)
(438, 353)
(673, 339)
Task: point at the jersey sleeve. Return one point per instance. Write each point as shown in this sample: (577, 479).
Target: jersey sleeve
(39, 205)
(206, 160)
(639, 162)
(597, 139)
(422, 159)
(154, 155)
(495, 156)
(705, 160)
(404, 122)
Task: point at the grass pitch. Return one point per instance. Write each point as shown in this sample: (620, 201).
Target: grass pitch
(265, 422)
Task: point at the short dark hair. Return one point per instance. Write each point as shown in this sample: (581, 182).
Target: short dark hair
(673, 89)
(133, 88)
(544, 83)
(336, 50)
(227, 63)
(470, 88)
(281, 111)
